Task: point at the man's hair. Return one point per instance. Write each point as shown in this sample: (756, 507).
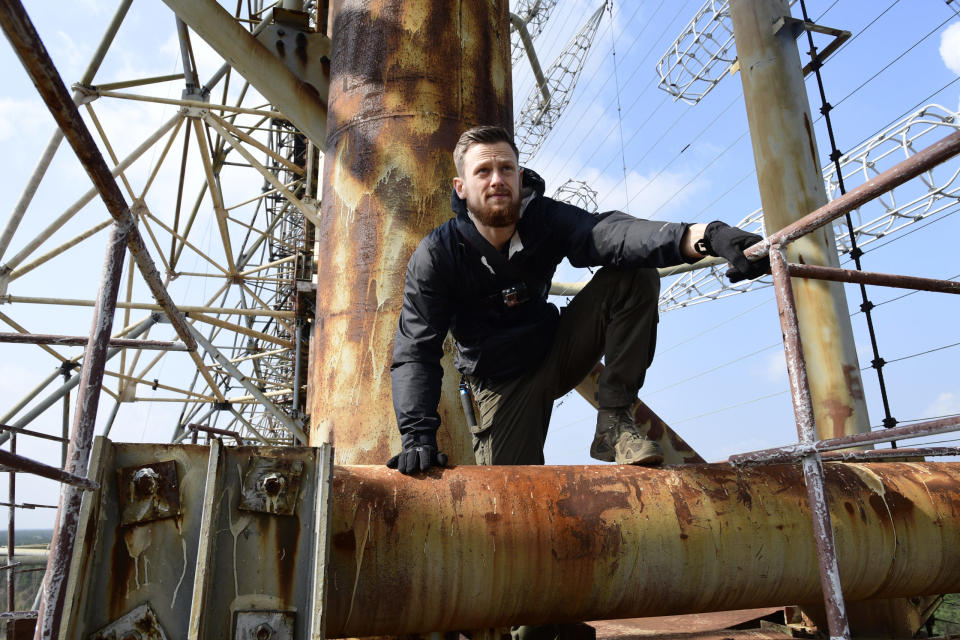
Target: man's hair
(485, 134)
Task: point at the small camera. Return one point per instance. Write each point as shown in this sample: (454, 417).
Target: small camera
(517, 294)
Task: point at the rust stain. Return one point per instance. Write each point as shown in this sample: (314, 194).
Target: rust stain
(387, 172)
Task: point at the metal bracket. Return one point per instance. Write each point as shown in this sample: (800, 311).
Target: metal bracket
(263, 625)
(139, 624)
(306, 53)
(148, 493)
(797, 27)
(271, 485)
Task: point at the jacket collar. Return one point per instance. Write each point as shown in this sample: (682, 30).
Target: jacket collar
(532, 188)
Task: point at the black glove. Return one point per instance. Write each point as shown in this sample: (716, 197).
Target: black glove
(419, 454)
(723, 241)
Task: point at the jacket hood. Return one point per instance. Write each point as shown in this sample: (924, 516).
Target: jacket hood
(532, 183)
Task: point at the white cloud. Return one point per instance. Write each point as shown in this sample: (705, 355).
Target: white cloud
(947, 403)
(950, 47)
(774, 367)
(23, 117)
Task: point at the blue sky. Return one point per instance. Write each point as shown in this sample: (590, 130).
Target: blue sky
(718, 377)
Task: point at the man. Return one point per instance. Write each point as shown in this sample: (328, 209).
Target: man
(484, 276)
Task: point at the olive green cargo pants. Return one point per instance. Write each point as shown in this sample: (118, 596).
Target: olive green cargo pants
(614, 316)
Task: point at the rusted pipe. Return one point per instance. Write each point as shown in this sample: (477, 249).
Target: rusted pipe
(28, 465)
(95, 358)
(873, 278)
(791, 186)
(792, 453)
(476, 547)
(36, 434)
(396, 110)
(810, 462)
(74, 341)
(219, 432)
(882, 454)
(793, 347)
(11, 525)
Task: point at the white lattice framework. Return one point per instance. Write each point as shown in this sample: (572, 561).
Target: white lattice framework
(577, 193)
(534, 14)
(701, 55)
(934, 192)
(538, 117)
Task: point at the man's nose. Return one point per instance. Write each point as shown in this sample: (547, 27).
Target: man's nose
(496, 177)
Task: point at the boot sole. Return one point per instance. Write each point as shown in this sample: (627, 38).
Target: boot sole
(644, 461)
(602, 457)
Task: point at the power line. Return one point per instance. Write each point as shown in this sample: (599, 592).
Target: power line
(732, 406)
(698, 174)
(901, 297)
(889, 64)
(613, 52)
(736, 360)
(919, 353)
(713, 328)
(643, 91)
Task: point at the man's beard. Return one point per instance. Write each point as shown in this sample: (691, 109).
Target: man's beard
(495, 215)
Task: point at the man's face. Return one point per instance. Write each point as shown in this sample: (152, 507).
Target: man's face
(491, 184)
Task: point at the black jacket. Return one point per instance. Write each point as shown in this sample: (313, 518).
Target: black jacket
(449, 287)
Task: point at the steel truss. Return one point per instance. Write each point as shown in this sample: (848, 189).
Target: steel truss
(539, 113)
(252, 314)
(701, 55)
(534, 15)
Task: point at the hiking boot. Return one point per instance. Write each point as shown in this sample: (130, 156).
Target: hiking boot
(618, 440)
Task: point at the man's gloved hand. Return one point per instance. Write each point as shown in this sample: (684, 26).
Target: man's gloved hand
(724, 241)
(419, 454)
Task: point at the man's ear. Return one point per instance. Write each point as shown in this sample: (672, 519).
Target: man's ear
(458, 185)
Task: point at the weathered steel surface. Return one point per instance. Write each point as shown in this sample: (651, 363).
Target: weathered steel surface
(793, 452)
(406, 79)
(299, 100)
(791, 186)
(81, 435)
(675, 449)
(21, 463)
(39, 338)
(255, 560)
(490, 546)
(878, 279)
(118, 567)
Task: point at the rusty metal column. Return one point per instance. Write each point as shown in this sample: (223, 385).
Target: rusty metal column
(791, 186)
(81, 439)
(406, 78)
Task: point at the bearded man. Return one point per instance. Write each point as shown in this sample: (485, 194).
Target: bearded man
(484, 276)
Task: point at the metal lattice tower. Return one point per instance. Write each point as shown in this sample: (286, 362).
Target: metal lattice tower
(577, 193)
(701, 55)
(537, 117)
(534, 14)
(210, 139)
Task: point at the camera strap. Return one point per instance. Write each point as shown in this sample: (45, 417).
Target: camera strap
(502, 268)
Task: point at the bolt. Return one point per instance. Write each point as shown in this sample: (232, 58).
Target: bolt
(145, 481)
(273, 484)
(263, 632)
